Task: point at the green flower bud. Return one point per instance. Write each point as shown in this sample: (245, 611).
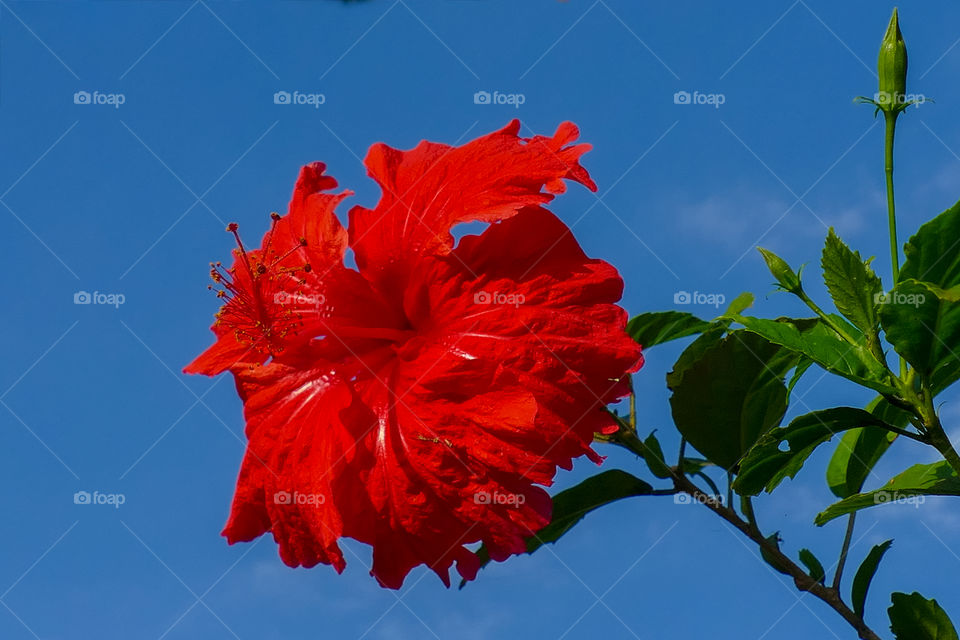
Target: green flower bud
(892, 68)
(787, 278)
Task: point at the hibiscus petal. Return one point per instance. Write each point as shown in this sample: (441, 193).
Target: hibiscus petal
(431, 188)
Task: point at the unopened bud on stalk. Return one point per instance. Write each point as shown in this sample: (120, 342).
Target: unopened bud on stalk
(892, 68)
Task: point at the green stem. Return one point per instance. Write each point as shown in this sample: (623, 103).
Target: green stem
(891, 122)
(851, 522)
(890, 118)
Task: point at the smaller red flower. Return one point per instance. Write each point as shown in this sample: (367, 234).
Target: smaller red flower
(419, 402)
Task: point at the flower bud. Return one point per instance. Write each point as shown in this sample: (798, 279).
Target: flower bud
(786, 277)
(892, 68)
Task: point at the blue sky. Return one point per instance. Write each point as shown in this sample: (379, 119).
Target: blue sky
(130, 199)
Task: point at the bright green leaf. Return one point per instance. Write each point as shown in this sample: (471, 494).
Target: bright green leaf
(852, 284)
(859, 450)
(650, 329)
(937, 479)
(821, 344)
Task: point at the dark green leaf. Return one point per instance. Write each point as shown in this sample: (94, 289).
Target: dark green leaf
(650, 329)
(861, 581)
(767, 463)
(924, 328)
(769, 558)
(933, 256)
(859, 450)
(937, 479)
(732, 393)
(814, 568)
(852, 284)
(913, 617)
(813, 339)
(654, 457)
(571, 505)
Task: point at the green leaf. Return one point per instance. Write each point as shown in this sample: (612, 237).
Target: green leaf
(571, 505)
(924, 328)
(933, 256)
(852, 284)
(650, 329)
(937, 479)
(859, 450)
(861, 581)
(814, 568)
(913, 617)
(739, 304)
(787, 278)
(768, 464)
(821, 344)
(770, 559)
(729, 393)
(655, 460)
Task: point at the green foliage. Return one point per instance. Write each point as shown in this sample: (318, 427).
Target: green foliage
(913, 617)
(937, 479)
(651, 329)
(728, 393)
(767, 463)
(813, 565)
(852, 284)
(860, 449)
(864, 576)
(812, 338)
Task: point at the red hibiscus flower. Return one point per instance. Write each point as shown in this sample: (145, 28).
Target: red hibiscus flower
(415, 403)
